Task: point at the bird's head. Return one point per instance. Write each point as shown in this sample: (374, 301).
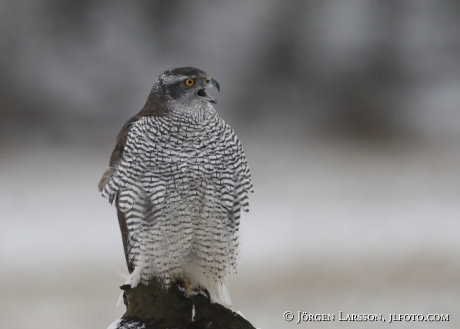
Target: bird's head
(186, 85)
(183, 91)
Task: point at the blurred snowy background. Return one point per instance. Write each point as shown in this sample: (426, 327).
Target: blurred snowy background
(349, 115)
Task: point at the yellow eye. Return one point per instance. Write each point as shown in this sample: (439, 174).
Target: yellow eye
(189, 82)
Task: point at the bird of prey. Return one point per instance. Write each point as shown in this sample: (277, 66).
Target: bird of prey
(179, 178)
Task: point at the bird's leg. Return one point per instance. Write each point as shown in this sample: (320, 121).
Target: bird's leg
(186, 282)
(188, 291)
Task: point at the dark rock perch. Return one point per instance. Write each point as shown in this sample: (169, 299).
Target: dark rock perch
(151, 307)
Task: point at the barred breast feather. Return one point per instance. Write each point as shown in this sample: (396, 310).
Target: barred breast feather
(179, 186)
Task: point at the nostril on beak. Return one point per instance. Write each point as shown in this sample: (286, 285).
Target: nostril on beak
(208, 80)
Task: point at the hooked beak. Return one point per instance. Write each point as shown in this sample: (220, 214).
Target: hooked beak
(210, 83)
(214, 83)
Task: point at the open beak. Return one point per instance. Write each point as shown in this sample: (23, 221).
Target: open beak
(210, 83)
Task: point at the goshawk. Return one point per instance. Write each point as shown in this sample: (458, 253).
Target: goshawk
(179, 178)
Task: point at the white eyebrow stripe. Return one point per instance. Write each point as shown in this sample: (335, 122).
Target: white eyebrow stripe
(172, 79)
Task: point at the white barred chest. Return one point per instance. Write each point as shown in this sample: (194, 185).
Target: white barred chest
(189, 167)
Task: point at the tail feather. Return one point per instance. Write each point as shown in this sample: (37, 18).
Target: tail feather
(219, 293)
(135, 277)
(223, 295)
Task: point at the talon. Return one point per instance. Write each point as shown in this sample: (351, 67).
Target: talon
(207, 293)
